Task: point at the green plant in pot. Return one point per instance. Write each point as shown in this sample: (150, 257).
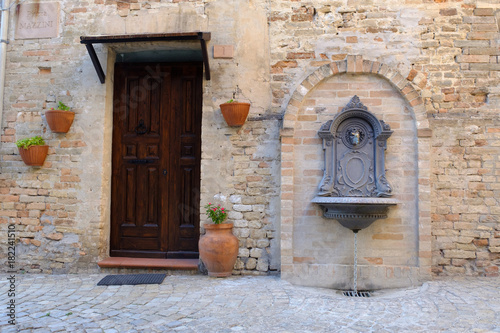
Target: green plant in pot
(33, 150)
(218, 247)
(60, 119)
(234, 112)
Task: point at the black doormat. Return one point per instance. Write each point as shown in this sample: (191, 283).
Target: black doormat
(131, 279)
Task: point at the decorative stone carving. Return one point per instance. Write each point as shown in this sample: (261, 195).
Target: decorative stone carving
(354, 190)
(354, 165)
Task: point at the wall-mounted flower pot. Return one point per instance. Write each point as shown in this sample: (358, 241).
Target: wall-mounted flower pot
(59, 120)
(34, 155)
(235, 113)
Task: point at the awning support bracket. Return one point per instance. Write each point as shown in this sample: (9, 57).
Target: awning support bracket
(89, 42)
(205, 58)
(96, 63)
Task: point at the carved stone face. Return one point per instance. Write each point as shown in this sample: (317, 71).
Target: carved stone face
(354, 137)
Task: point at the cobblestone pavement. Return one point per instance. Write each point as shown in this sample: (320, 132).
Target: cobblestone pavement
(183, 303)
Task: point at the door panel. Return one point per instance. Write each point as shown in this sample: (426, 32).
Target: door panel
(156, 160)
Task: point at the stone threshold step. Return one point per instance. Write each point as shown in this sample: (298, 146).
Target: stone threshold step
(125, 262)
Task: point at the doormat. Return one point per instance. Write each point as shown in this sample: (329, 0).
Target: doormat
(131, 279)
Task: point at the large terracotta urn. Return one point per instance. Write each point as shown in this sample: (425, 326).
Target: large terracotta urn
(219, 249)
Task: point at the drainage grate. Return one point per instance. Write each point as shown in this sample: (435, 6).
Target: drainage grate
(352, 293)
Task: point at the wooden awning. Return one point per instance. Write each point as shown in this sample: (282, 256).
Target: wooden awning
(89, 42)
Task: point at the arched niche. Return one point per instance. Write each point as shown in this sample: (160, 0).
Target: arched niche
(302, 224)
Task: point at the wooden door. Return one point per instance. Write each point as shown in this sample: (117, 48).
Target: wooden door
(156, 160)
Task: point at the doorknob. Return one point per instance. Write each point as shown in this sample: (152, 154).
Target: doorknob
(164, 172)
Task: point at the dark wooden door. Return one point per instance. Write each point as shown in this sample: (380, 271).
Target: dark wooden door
(156, 160)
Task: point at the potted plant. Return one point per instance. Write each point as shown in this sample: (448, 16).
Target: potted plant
(218, 247)
(60, 120)
(33, 150)
(235, 113)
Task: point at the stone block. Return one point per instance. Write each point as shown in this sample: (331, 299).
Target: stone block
(452, 270)
(256, 253)
(239, 265)
(242, 208)
(351, 39)
(484, 12)
(300, 55)
(234, 215)
(481, 35)
(135, 6)
(240, 223)
(262, 243)
(263, 265)
(242, 252)
(473, 58)
(251, 263)
(254, 224)
(481, 242)
(258, 233)
(459, 254)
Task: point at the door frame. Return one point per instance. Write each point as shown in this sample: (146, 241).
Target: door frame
(104, 230)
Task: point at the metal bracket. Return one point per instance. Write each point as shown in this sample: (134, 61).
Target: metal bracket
(95, 61)
(4, 41)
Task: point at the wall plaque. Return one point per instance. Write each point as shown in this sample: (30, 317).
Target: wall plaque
(37, 20)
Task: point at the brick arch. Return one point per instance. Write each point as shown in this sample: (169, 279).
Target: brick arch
(355, 65)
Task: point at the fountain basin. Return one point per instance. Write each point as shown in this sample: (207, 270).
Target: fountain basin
(355, 213)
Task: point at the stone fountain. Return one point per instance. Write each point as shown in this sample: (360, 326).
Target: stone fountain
(354, 190)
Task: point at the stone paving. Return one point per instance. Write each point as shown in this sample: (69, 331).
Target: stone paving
(195, 303)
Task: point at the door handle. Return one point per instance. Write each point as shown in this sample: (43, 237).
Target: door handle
(164, 172)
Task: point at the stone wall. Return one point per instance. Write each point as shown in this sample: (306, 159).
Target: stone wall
(442, 56)
(448, 52)
(465, 214)
(61, 210)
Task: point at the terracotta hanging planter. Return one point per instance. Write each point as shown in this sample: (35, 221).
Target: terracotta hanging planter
(235, 113)
(59, 120)
(219, 249)
(34, 155)
(33, 150)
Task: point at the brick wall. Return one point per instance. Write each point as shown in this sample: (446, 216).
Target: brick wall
(441, 56)
(465, 211)
(54, 207)
(61, 211)
(448, 52)
(319, 252)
